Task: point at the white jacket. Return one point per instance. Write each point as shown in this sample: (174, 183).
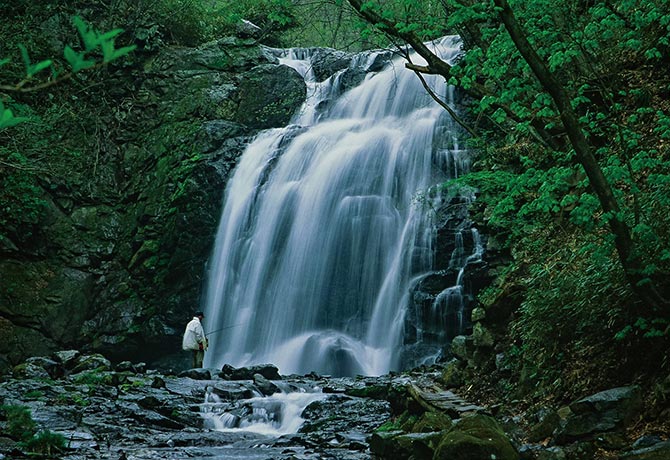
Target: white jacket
(194, 335)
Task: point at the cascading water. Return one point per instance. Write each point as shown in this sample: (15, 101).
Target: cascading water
(322, 234)
(269, 415)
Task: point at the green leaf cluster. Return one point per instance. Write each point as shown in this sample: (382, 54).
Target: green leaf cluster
(7, 117)
(94, 43)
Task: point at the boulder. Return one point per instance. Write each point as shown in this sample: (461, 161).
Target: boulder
(95, 362)
(598, 413)
(54, 369)
(432, 421)
(269, 95)
(482, 336)
(68, 358)
(383, 445)
(30, 371)
(196, 374)
(452, 374)
(268, 371)
(265, 386)
(547, 422)
(247, 29)
(476, 437)
(342, 414)
(326, 62)
(397, 445)
(232, 391)
(462, 347)
(658, 451)
(127, 366)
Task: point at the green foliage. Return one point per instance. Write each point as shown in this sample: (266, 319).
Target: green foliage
(20, 424)
(93, 378)
(45, 443)
(22, 198)
(612, 58)
(93, 41)
(132, 385)
(425, 19)
(35, 394)
(578, 289)
(272, 16)
(7, 117)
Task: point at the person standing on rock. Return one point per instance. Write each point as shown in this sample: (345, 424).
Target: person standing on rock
(195, 340)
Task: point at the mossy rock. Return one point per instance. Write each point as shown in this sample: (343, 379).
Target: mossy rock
(382, 444)
(477, 437)
(95, 362)
(269, 96)
(30, 371)
(369, 391)
(433, 421)
(404, 422)
(482, 336)
(397, 445)
(452, 375)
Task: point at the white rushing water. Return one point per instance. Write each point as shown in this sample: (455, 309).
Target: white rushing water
(274, 415)
(322, 231)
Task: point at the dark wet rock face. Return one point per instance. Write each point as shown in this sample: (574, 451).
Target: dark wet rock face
(118, 264)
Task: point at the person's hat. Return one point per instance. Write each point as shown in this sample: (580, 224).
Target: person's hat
(199, 313)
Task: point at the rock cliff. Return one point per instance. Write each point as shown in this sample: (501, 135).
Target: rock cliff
(116, 259)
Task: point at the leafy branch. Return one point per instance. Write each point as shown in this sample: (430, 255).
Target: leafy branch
(94, 43)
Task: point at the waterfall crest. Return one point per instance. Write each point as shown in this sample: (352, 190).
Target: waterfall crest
(322, 230)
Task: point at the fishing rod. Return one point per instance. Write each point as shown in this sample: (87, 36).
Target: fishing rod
(224, 328)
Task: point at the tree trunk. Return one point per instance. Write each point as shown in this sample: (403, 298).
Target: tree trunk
(623, 241)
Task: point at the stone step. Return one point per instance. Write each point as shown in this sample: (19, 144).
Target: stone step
(445, 401)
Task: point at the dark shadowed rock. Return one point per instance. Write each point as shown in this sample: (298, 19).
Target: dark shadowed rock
(343, 414)
(265, 386)
(68, 358)
(121, 253)
(196, 374)
(246, 29)
(658, 451)
(598, 413)
(268, 371)
(384, 445)
(326, 61)
(231, 391)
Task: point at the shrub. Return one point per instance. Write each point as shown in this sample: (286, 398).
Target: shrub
(20, 424)
(45, 442)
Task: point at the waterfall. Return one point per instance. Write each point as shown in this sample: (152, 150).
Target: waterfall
(324, 227)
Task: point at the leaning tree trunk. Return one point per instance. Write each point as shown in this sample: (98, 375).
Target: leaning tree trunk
(623, 241)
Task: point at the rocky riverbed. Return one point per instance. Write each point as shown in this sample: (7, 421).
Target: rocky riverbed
(74, 407)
